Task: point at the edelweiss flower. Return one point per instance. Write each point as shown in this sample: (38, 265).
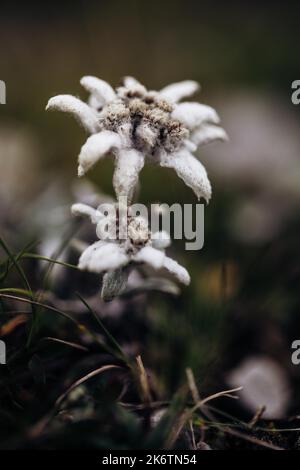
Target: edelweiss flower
(133, 123)
(123, 241)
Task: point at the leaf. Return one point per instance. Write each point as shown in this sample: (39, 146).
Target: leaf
(66, 343)
(113, 284)
(162, 434)
(8, 265)
(50, 260)
(26, 284)
(48, 307)
(111, 339)
(16, 290)
(143, 380)
(16, 264)
(78, 382)
(12, 324)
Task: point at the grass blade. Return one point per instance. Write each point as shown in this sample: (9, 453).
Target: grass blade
(107, 333)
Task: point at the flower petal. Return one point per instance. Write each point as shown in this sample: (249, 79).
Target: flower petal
(208, 133)
(96, 146)
(152, 256)
(113, 284)
(177, 270)
(80, 209)
(160, 240)
(146, 135)
(130, 82)
(194, 114)
(102, 256)
(190, 170)
(82, 112)
(129, 163)
(176, 91)
(98, 88)
(157, 260)
(190, 146)
(94, 103)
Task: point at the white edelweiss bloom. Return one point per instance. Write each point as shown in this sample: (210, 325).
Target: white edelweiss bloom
(139, 245)
(134, 123)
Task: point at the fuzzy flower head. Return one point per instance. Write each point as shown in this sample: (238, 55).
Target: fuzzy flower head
(125, 239)
(133, 124)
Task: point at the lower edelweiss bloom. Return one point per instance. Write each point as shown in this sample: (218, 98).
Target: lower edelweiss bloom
(125, 243)
(133, 123)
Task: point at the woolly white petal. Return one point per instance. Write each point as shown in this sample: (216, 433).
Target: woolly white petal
(176, 91)
(157, 260)
(99, 88)
(208, 133)
(82, 112)
(129, 163)
(96, 147)
(161, 240)
(113, 284)
(102, 256)
(194, 114)
(130, 82)
(79, 209)
(177, 270)
(190, 170)
(95, 103)
(152, 256)
(191, 146)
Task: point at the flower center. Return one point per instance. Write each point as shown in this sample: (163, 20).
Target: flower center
(138, 231)
(151, 125)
